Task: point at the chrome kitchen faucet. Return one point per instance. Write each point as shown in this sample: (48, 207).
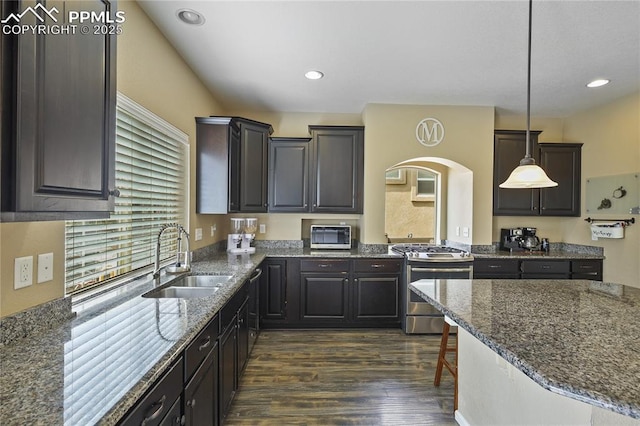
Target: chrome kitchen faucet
(179, 266)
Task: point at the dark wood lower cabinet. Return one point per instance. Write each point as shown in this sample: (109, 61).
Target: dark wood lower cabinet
(201, 393)
(227, 368)
(323, 297)
(331, 292)
(376, 298)
(243, 338)
(273, 292)
(533, 269)
(156, 404)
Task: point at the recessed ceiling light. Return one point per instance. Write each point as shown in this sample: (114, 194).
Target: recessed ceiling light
(598, 83)
(314, 75)
(190, 16)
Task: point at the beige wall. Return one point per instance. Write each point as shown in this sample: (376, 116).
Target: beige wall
(611, 138)
(151, 73)
(390, 138)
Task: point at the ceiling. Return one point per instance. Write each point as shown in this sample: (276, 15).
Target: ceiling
(252, 55)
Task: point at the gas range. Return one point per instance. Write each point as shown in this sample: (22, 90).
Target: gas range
(431, 252)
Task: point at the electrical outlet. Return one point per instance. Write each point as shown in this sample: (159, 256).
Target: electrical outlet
(45, 267)
(263, 228)
(465, 232)
(198, 234)
(213, 229)
(23, 272)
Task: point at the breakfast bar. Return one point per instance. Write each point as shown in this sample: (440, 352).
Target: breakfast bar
(578, 339)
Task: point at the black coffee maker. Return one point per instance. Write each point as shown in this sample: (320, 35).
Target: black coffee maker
(519, 239)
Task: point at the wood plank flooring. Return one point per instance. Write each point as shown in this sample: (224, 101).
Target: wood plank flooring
(342, 377)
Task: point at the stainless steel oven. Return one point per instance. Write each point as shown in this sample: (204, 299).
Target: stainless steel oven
(428, 262)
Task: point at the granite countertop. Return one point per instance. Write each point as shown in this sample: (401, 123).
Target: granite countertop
(92, 369)
(577, 338)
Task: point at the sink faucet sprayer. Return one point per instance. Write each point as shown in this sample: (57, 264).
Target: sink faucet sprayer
(179, 266)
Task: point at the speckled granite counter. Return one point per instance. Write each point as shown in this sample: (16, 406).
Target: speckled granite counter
(93, 368)
(576, 338)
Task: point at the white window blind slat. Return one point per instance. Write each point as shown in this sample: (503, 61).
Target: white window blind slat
(151, 174)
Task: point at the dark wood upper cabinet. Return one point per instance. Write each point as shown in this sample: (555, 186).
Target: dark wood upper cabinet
(509, 147)
(289, 174)
(337, 169)
(231, 165)
(58, 119)
(561, 162)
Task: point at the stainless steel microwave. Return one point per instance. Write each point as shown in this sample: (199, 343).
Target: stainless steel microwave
(331, 237)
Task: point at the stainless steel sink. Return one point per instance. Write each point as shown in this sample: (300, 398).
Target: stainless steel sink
(201, 281)
(181, 292)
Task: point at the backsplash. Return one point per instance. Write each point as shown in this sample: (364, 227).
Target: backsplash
(35, 320)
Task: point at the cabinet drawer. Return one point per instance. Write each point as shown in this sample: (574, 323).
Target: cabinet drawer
(586, 266)
(546, 266)
(153, 407)
(200, 347)
(496, 266)
(378, 265)
(324, 265)
(230, 309)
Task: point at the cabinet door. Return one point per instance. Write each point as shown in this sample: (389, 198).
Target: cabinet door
(337, 169)
(243, 339)
(323, 297)
(509, 147)
(200, 394)
(273, 294)
(253, 167)
(562, 162)
(376, 297)
(227, 369)
(289, 174)
(61, 134)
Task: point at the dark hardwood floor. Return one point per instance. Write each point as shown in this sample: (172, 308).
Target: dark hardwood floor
(343, 377)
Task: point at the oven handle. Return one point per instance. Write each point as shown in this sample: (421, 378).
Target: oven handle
(441, 269)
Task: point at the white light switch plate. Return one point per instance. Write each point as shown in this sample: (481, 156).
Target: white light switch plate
(263, 228)
(23, 272)
(198, 234)
(45, 267)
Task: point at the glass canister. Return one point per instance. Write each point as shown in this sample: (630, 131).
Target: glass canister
(237, 225)
(251, 225)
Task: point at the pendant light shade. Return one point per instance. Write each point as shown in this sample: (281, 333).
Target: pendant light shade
(528, 174)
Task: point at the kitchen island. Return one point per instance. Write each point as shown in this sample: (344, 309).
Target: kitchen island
(578, 339)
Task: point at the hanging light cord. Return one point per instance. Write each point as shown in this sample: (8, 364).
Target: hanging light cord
(527, 160)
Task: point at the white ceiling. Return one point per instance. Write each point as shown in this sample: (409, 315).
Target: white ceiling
(253, 54)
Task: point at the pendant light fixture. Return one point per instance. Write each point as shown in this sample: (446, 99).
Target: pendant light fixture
(528, 174)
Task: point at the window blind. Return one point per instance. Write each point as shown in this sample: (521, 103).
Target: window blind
(151, 175)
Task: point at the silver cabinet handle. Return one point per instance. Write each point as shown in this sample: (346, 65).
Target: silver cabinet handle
(377, 265)
(157, 412)
(205, 344)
